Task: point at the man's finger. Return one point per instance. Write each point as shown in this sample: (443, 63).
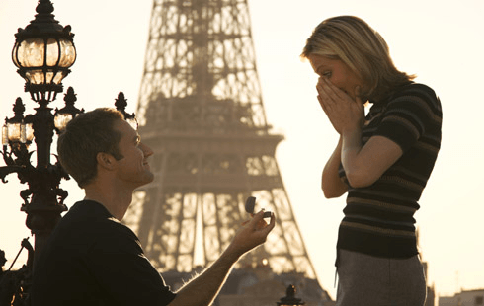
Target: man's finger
(258, 217)
(271, 225)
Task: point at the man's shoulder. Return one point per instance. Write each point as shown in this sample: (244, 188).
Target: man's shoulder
(85, 221)
(88, 208)
(85, 212)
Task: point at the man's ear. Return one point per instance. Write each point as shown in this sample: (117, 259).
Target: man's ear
(106, 160)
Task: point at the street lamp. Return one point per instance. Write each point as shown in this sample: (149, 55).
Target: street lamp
(43, 53)
(290, 299)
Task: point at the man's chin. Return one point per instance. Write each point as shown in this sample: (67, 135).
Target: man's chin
(150, 178)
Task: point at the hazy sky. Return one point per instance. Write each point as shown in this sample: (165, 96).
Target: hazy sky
(440, 41)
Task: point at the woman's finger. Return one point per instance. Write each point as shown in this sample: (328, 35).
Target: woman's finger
(332, 91)
(324, 107)
(324, 91)
(359, 101)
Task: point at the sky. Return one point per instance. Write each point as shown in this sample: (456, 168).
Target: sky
(440, 41)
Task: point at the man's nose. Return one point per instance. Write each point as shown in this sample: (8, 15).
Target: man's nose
(146, 150)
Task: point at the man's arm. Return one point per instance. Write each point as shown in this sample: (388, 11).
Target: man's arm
(203, 289)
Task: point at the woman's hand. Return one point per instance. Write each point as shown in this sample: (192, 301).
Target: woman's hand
(344, 112)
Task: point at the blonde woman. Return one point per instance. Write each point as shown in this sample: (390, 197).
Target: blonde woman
(382, 161)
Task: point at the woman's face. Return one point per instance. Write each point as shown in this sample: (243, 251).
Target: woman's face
(338, 72)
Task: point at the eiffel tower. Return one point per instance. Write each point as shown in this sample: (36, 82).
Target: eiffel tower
(201, 111)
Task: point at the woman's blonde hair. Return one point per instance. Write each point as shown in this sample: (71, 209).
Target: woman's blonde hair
(350, 39)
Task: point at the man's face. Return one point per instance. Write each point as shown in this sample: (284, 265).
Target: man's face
(133, 169)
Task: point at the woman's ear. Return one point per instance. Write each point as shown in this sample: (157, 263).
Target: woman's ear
(105, 160)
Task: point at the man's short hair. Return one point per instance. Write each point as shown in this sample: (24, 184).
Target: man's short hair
(84, 137)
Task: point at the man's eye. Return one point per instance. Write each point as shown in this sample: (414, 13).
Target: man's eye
(327, 74)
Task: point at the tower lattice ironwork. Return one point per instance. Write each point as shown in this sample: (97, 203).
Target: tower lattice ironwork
(201, 110)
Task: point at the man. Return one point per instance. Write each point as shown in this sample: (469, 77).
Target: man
(91, 258)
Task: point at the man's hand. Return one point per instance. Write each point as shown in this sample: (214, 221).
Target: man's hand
(202, 290)
(252, 234)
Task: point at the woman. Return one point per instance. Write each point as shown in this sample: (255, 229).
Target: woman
(383, 160)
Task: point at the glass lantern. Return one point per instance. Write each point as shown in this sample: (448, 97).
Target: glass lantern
(43, 52)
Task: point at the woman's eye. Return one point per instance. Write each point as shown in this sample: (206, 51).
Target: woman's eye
(327, 74)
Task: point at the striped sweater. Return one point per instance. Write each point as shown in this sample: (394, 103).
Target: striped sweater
(379, 219)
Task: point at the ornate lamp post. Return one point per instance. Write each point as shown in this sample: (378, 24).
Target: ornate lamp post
(43, 53)
(290, 299)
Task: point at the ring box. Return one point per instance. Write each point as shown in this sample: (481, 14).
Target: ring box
(250, 205)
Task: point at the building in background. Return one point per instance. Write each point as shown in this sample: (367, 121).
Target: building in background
(464, 298)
